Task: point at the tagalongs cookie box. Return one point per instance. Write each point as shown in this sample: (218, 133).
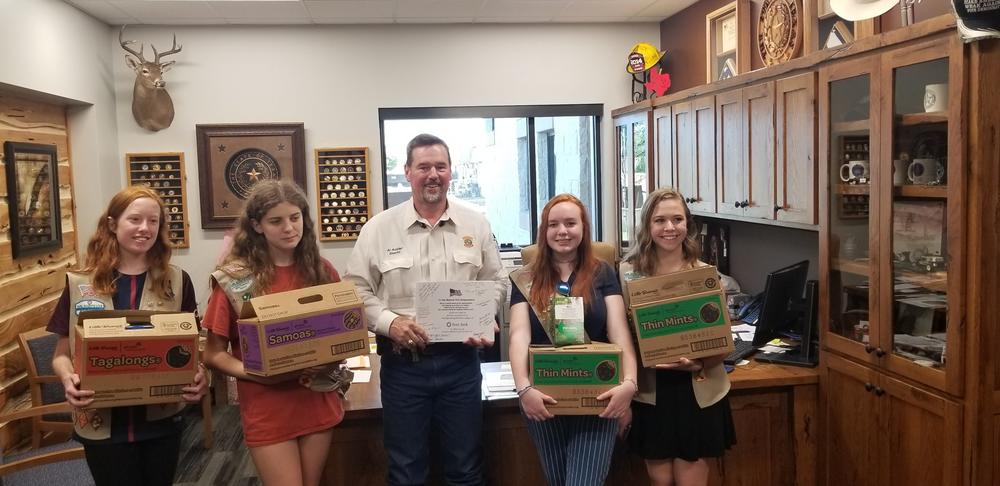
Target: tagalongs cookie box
(135, 357)
(575, 375)
(683, 314)
(298, 329)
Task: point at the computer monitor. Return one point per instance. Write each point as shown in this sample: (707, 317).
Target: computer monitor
(789, 310)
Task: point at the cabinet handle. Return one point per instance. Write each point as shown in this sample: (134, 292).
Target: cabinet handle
(746, 203)
(738, 204)
(869, 348)
(869, 387)
(879, 392)
(778, 208)
(879, 352)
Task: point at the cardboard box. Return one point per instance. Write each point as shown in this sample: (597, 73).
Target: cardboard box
(293, 330)
(576, 375)
(683, 314)
(135, 357)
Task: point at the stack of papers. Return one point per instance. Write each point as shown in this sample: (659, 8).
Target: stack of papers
(498, 381)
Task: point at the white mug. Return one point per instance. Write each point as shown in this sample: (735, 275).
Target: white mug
(899, 171)
(925, 171)
(854, 170)
(936, 97)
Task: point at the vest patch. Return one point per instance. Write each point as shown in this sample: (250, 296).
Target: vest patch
(87, 290)
(240, 285)
(88, 305)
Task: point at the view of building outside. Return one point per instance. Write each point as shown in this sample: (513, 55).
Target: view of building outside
(491, 166)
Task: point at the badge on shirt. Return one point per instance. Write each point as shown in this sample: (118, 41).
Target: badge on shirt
(467, 241)
(240, 285)
(88, 305)
(87, 290)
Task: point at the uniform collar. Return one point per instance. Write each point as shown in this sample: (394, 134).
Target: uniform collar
(412, 217)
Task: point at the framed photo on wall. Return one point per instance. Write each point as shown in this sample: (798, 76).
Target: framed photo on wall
(727, 41)
(32, 173)
(234, 157)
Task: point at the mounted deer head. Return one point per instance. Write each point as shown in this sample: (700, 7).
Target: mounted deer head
(151, 104)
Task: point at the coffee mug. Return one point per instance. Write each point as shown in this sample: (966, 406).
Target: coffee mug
(936, 97)
(925, 171)
(899, 171)
(854, 170)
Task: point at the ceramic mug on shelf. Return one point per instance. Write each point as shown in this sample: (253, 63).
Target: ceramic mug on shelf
(936, 97)
(925, 171)
(854, 170)
(899, 171)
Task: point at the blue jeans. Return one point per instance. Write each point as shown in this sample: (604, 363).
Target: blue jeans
(443, 391)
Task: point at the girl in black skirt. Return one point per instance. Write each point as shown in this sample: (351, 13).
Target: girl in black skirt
(681, 415)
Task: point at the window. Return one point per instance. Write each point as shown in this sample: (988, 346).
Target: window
(507, 161)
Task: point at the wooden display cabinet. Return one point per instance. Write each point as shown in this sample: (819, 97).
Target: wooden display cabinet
(164, 173)
(343, 192)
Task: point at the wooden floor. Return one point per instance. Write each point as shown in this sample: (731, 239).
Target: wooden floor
(227, 463)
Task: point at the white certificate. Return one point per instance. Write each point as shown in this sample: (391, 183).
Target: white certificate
(454, 311)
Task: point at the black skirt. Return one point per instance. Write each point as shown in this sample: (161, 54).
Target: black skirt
(676, 427)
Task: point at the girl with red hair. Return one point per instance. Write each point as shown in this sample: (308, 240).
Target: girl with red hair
(576, 449)
(127, 267)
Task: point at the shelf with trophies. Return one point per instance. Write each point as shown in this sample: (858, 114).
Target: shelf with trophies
(164, 173)
(342, 188)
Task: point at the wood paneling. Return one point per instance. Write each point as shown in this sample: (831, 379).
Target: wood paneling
(729, 151)
(795, 164)
(682, 143)
(30, 285)
(704, 149)
(851, 424)
(758, 138)
(916, 426)
(665, 168)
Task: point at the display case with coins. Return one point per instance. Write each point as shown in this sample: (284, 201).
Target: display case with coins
(342, 188)
(164, 173)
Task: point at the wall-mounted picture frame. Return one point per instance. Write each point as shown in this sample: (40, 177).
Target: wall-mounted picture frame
(727, 41)
(839, 35)
(234, 157)
(32, 172)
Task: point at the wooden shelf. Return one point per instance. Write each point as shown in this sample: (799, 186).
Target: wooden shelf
(912, 119)
(136, 175)
(851, 127)
(857, 267)
(915, 190)
(333, 158)
(854, 189)
(934, 281)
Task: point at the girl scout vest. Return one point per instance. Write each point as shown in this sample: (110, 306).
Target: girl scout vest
(95, 424)
(238, 283)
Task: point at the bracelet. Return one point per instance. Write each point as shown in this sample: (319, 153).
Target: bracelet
(636, 385)
(521, 392)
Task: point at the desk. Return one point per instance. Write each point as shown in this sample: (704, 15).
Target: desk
(774, 408)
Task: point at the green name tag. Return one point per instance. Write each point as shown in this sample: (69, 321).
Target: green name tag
(680, 316)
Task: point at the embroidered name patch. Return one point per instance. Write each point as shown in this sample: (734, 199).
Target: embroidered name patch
(88, 305)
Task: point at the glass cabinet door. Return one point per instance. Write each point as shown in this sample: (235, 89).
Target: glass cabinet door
(852, 208)
(923, 243)
(633, 171)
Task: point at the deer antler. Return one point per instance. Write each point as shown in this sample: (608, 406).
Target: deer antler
(125, 45)
(173, 50)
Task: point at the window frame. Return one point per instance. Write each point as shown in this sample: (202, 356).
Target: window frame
(529, 112)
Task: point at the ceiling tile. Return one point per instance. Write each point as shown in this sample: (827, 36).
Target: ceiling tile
(665, 8)
(151, 12)
(539, 10)
(348, 9)
(437, 8)
(279, 11)
(606, 8)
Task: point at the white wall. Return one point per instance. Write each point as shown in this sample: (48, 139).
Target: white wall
(334, 79)
(51, 48)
